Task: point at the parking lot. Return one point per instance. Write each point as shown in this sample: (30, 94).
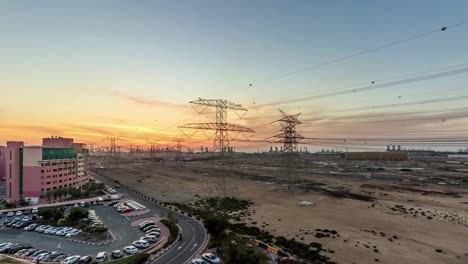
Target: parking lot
(122, 234)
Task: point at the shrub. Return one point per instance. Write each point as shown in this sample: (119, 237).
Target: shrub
(62, 222)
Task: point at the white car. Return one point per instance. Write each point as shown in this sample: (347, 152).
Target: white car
(143, 223)
(212, 258)
(34, 210)
(130, 250)
(149, 238)
(73, 233)
(10, 214)
(30, 227)
(71, 260)
(141, 244)
(156, 234)
(101, 257)
(25, 219)
(18, 213)
(154, 229)
(199, 261)
(41, 256)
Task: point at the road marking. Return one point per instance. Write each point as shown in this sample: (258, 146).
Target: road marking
(193, 238)
(59, 246)
(194, 246)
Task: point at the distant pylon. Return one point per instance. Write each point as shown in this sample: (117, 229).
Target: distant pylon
(290, 139)
(222, 128)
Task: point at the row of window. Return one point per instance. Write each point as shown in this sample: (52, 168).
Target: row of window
(66, 185)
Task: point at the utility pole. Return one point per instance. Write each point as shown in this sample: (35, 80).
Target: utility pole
(223, 131)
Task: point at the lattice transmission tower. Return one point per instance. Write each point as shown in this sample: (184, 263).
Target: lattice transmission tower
(224, 132)
(290, 138)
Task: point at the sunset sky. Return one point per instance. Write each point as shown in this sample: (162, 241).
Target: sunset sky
(95, 69)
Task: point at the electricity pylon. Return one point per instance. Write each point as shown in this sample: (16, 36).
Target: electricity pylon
(223, 131)
(290, 139)
(222, 128)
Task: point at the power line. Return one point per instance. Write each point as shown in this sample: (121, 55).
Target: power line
(318, 66)
(430, 101)
(370, 87)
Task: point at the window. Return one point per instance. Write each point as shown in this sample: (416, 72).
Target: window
(10, 189)
(10, 154)
(42, 171)
(48, 183)
(10, 170)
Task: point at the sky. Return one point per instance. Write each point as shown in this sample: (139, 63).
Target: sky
(91, 70)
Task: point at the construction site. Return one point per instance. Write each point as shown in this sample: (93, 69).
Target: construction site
(389, 206)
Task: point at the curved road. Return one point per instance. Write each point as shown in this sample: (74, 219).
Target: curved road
(193, 232)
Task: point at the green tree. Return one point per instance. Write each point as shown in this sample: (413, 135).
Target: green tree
(216, 225)
(237, 252)
(46, 213)
(171, 217)
(58, 214)
(77, 214)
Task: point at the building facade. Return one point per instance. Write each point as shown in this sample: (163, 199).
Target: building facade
(32, 171)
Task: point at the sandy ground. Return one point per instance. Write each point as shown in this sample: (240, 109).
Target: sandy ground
(397, 226)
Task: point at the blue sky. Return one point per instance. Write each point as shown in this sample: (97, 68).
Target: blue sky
(90, 58)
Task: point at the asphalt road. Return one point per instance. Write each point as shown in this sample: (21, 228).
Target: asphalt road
(193, 232)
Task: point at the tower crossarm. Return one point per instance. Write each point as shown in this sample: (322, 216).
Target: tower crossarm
(221, 103)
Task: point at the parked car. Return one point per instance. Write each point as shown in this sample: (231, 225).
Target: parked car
(52, 256)
(153, 229)
(149, 238)
(154, 233)
(27, 211)
(60, 258)
(101, 257)
(10, 214)
(30, 227)
(149, 227)
(35, 254)
(71, 259)
(113, 203)
(199, 261)
(85, 260)
(130, 250)
(117, 254)
(73, 233)
(141, 244)
(34, 210)
(142, 224)
(18, 213)
(212, 258)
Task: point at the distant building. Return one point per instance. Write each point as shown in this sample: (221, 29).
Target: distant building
(392, 155)
(31, 171)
